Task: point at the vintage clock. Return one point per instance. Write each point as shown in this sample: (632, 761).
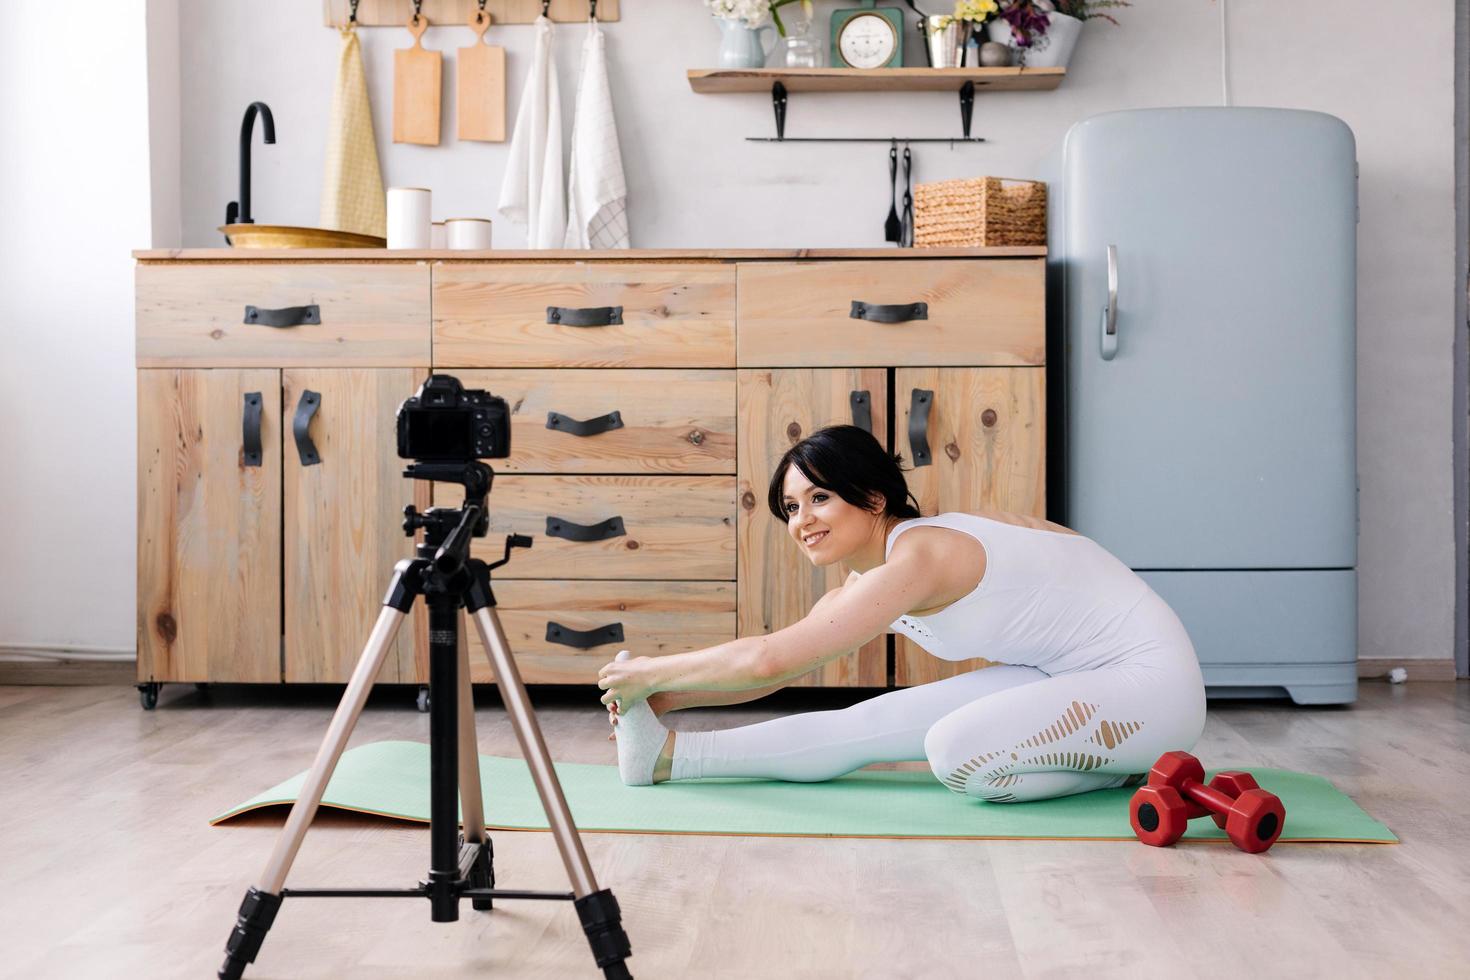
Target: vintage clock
(867, 37)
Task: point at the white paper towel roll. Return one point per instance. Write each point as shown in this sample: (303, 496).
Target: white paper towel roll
(408, 217)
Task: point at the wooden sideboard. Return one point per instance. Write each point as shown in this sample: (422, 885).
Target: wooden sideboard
(271, 567)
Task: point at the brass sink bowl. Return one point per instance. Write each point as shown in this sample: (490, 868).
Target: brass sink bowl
(286, 236)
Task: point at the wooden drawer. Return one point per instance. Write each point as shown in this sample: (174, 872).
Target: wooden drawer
(369, 315)
(668, 527)
(656, 618)
(979, 312)
(670, 422)
(498, 316)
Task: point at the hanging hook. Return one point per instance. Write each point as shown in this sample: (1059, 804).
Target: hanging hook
(545, 6)
(352, 18)
(417, 6)
(591, 9)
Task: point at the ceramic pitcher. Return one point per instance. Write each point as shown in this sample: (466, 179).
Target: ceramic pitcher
(741, 46)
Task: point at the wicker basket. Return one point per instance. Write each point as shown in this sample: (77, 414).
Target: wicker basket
(980, 211)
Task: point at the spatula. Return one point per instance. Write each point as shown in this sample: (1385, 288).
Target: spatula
(892, 228)
(416, 74)
(481, 85)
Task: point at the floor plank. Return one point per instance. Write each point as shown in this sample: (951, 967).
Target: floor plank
(110, 869)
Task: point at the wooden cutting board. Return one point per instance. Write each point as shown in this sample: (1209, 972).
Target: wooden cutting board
(416, 75)
(481, 86)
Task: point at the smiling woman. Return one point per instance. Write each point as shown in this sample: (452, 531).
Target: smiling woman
(823, 479)
(1095, 676)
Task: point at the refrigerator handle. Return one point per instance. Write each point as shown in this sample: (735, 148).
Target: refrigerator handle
(1110, 312)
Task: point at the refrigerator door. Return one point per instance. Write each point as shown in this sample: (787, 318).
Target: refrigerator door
(1210, 410)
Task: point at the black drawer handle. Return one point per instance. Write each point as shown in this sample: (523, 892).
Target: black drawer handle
(862, 410)
(301, 427)
(252, 428)
(583, 639)
(919, 405)
(896, 313)
(556, 527)
(286, 316)
(591, 427)
(585, 316)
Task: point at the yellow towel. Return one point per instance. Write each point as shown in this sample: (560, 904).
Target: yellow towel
(352, 192)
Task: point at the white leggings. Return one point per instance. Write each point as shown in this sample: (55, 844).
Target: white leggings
(1007, 734)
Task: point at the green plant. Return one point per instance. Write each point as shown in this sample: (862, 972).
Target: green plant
(1088, 9)
(806, 6)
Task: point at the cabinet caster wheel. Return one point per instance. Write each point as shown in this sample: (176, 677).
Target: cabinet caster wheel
(148, 695)
(423, 699)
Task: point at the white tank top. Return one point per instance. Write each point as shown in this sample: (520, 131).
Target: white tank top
(1047, 599)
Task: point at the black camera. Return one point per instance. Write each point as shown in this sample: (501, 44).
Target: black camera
(447, 422)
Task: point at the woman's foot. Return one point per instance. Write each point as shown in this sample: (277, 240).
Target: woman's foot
(664, 770)
(645, 746)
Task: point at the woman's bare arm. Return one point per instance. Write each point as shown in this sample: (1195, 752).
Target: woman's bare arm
(663, 701)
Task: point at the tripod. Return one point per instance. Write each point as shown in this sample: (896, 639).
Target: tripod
(461, 865)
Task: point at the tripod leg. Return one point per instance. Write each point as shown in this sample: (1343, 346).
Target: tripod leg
(261, 902)
(471, 803)
(598, 909)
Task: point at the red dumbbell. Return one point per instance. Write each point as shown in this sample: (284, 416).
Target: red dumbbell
(1160, 811)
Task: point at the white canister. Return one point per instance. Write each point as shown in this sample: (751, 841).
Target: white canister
(436, 235)
(467, 233)
(408, 218)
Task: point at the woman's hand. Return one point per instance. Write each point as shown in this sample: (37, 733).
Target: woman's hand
(627, 681)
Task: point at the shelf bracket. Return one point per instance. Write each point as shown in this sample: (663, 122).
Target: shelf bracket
(967, 106)
(778, 103)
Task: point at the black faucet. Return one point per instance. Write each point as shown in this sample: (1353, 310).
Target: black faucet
(238, 212)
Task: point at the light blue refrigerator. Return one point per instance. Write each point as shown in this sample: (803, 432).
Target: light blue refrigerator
(1203, 279)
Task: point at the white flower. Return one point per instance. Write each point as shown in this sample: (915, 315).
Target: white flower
(753, 13)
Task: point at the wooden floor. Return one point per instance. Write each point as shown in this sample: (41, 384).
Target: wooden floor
(108, 868)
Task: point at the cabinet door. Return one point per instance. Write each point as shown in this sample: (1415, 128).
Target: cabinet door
(209, 519)
(979, 447)
(777, 584)
(344, 519)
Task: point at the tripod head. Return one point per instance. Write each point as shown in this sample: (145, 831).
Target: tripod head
(448, 530)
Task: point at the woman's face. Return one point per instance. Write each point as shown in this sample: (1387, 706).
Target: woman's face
(825, 527)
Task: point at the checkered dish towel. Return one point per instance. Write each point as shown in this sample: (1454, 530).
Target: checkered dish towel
(352, 189)
(597, 195)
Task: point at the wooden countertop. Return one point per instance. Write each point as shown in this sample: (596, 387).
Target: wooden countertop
(564, 255)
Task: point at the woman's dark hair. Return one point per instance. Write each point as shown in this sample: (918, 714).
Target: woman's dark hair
(849, 462)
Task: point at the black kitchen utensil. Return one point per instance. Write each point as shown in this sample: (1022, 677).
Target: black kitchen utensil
(906, 238)
(893, 228)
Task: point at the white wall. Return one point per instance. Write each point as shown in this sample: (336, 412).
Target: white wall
(74, 196)
(694, 181)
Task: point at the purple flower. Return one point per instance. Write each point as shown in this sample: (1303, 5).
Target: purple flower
(1026, 22)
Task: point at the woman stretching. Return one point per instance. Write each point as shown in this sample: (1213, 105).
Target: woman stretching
(1095, 676)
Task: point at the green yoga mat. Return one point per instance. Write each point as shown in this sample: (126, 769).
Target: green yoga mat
(391, 779)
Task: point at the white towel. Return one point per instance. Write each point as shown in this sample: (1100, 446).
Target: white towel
(532, 194)
(597, 195)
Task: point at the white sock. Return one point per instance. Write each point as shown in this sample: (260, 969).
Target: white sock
(640, 738)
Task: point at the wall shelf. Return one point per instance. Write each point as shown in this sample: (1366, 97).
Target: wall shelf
(716, 80)
(963, 81)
